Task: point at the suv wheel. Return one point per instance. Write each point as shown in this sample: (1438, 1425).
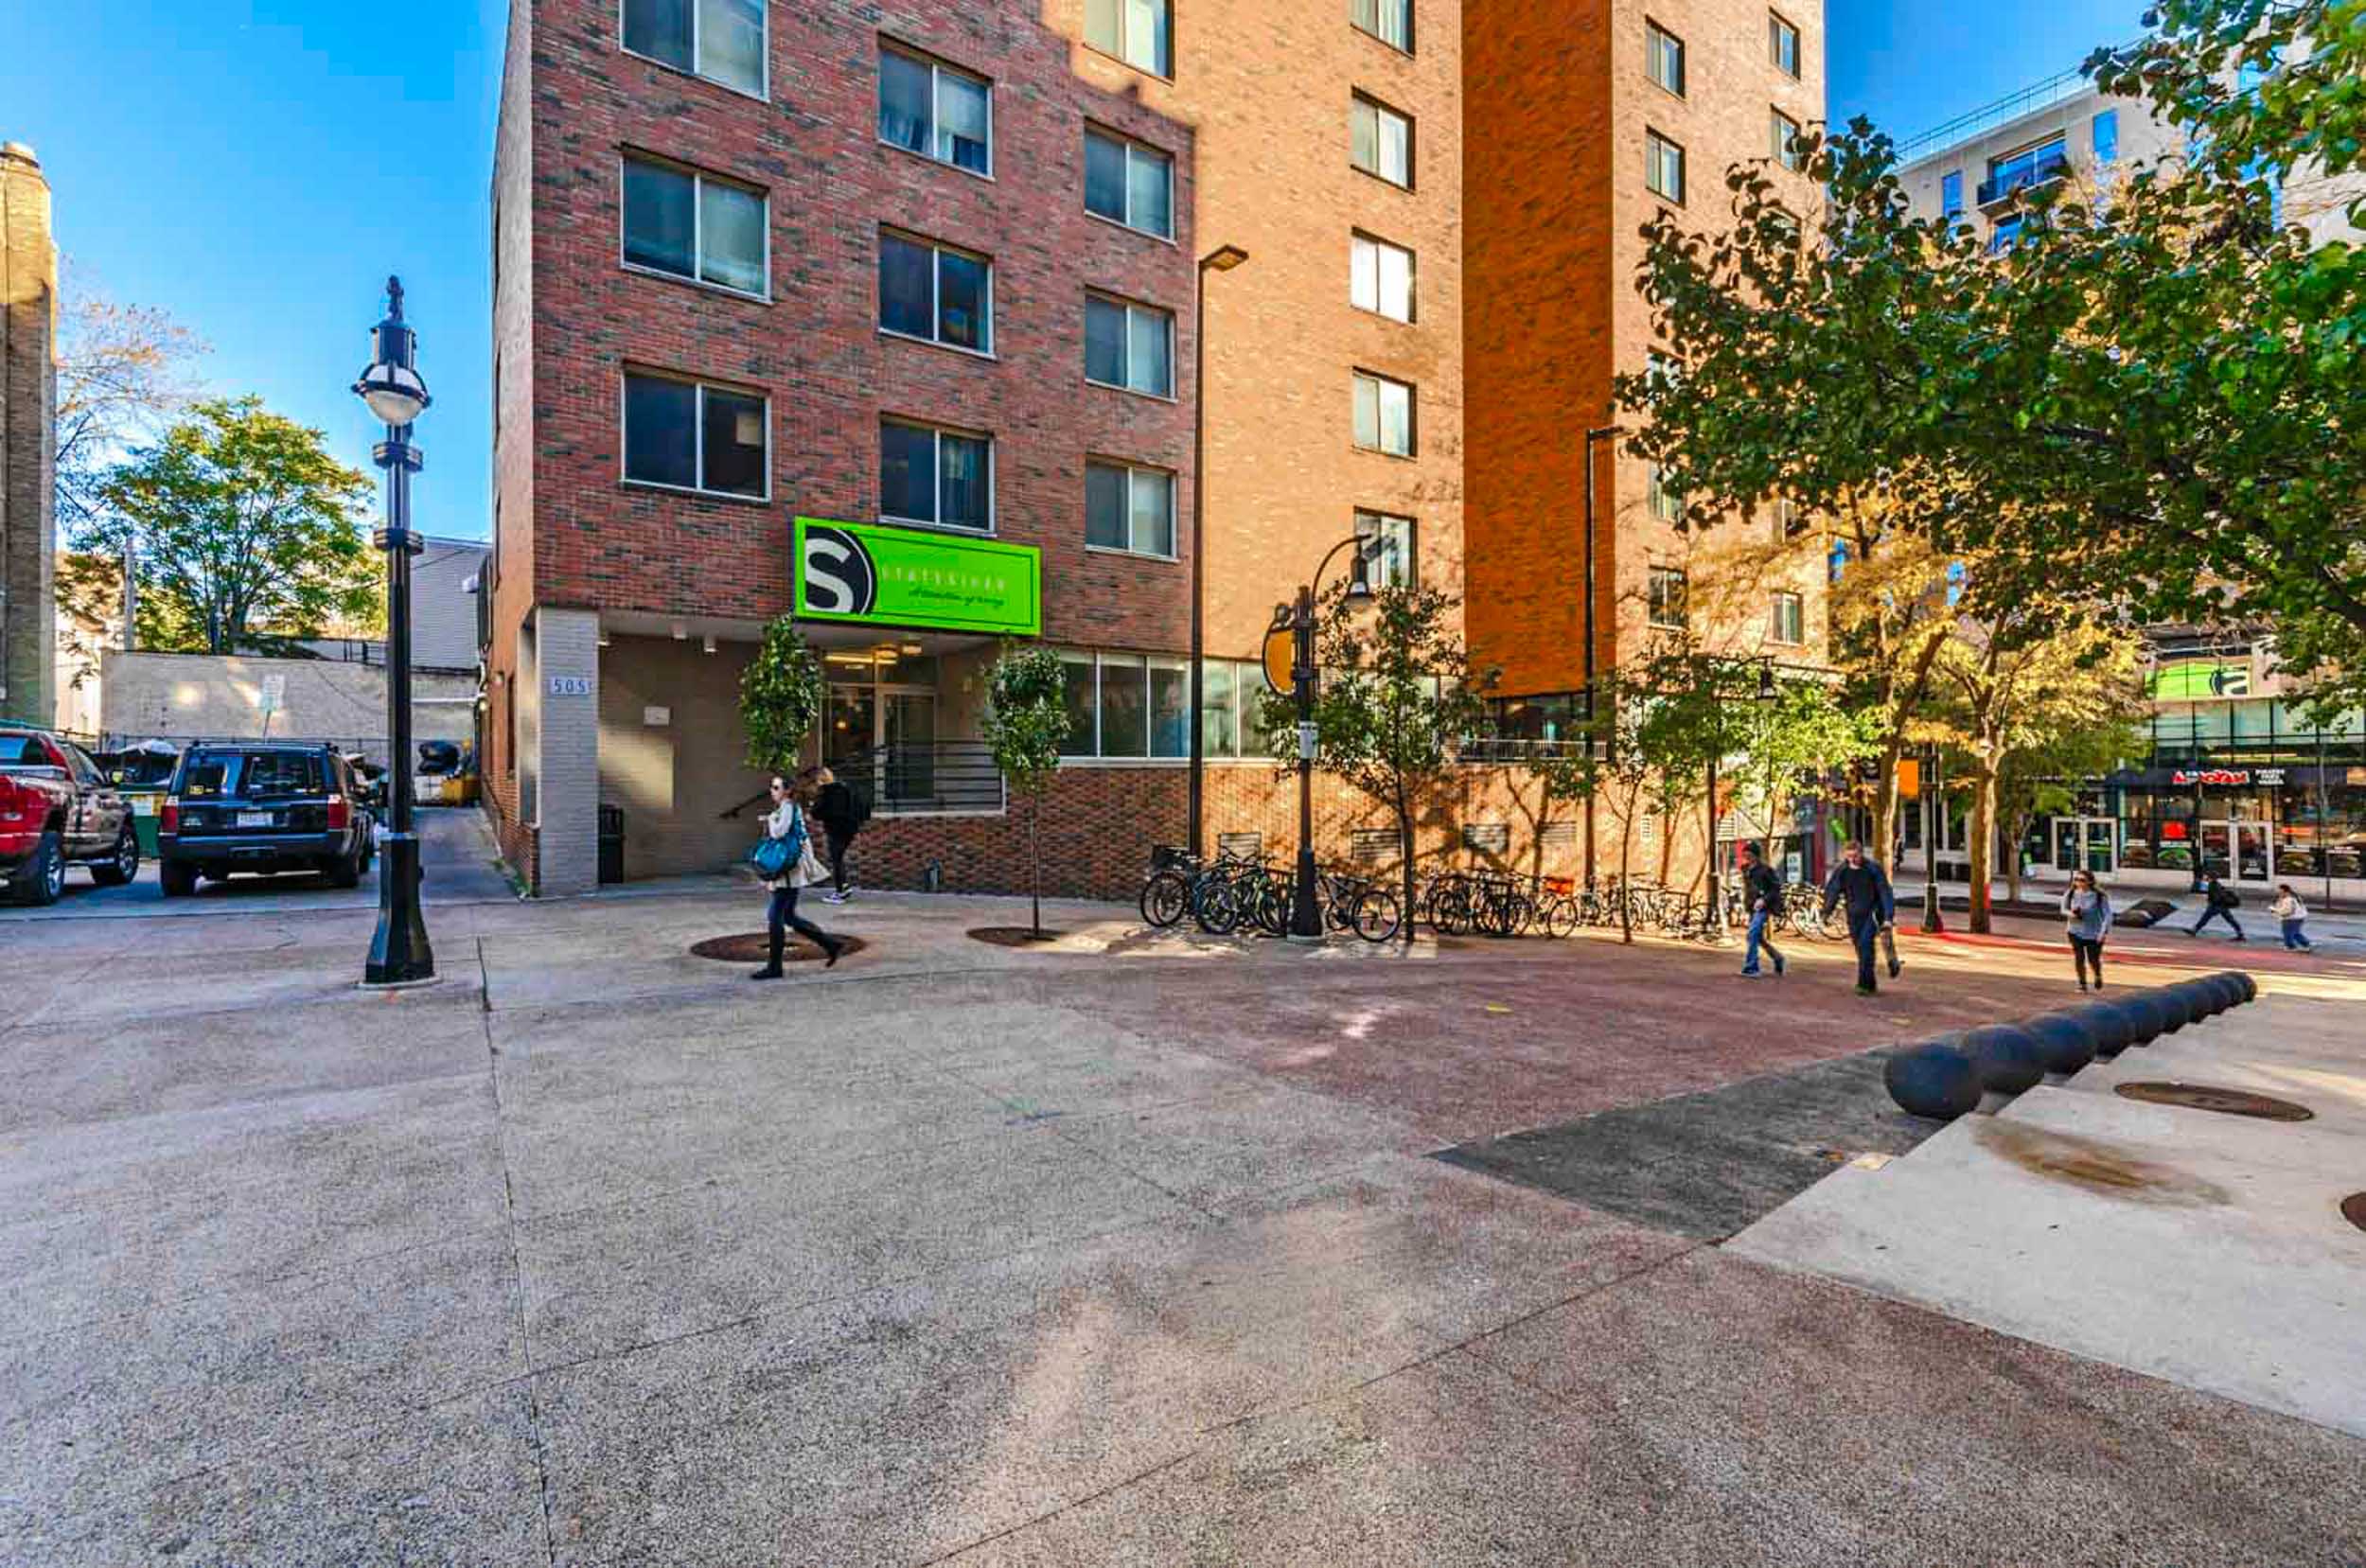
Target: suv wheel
(122, 866)
(43, 877)
(344, 871)
(179, 877)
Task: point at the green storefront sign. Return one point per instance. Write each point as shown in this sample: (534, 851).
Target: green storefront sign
(2193, 679)
(866, 574)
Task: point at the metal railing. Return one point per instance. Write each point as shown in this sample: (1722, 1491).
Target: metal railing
(925, 779)
(2059, 88)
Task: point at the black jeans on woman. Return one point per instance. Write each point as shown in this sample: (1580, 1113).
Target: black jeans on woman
(782, 915)
(2086, 952)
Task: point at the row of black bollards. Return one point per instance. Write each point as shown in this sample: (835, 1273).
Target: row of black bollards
(1945, 1077)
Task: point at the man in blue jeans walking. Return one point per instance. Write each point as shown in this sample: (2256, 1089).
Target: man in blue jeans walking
(1871, 907)
(1762, 895)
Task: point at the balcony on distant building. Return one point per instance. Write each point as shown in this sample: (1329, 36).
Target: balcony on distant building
(2038, 166)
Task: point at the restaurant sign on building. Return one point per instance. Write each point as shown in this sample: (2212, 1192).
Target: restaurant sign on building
(865, 574)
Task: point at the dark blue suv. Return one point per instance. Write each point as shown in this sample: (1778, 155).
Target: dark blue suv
(263, 806)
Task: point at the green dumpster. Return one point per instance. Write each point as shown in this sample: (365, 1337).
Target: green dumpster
(144, 804)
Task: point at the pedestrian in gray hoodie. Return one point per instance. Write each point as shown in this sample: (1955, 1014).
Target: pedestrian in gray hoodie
(2088, 915)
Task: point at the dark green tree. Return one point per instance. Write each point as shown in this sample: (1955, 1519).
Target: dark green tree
(1397, 698)
(242, 529)
(1025, 721)
(780, 698)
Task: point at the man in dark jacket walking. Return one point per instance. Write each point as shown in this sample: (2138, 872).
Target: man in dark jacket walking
(2220, 901)
(1762, 895)
(1871, 905)
(841, 813)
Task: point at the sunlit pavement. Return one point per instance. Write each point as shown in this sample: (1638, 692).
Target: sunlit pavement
(1132, 1251)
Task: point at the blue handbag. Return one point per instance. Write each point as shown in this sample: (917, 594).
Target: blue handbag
(773, 856)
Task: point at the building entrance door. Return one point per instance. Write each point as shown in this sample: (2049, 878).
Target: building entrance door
(2086, 843)
(850, 723)
(908, 738)
(2235, 850)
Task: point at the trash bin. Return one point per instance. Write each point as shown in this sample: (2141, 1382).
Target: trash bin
(144, 823)
(611, 844)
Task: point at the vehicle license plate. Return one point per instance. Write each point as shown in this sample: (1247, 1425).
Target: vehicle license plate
(256, 819)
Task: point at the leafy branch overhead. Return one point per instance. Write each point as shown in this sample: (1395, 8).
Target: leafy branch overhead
(2156, 394)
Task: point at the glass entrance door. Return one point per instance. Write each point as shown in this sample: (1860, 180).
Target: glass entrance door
(2102, 844)
(2236, 850)
(910, 737)
(850, 723)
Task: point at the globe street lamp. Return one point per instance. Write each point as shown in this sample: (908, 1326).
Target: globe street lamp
(399, 954)
(1306, 918)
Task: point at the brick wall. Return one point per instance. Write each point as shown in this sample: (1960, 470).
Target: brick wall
(28, 399)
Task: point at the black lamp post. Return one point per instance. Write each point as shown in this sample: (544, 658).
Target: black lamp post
(1600, 432)
(1222, 259)
(1934, 806)
(1306, 917)
(399, 954)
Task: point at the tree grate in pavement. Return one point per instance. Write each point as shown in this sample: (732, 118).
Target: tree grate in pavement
(1709, 1164)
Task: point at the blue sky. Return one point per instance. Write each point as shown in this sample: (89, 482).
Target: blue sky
(256, 167)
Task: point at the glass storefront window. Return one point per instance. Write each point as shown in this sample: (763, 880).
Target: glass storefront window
(1219, 725)
(1125, 706)
(1083, 737)
(1171, 707)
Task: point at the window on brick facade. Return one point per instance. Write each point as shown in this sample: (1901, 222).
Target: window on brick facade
(1390, 21)
(1380, 278)
(721, 39)
(1783, 131)
(1389, 561)
(936, 111)
(1782, 42)
(1786, 618)
(1666, 505)
(1129, 183)
(694, 437)
(1380, 141)
(1129, 508)
(1663, 603)
(1384, 415)
(1663, 166)
(936, 476)
(692, 225)
(1129, 346)
(1125, 706)
(935, 292)
(1139, 32)
(1664, 58)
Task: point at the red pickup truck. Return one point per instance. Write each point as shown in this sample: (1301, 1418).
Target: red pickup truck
(55, 807)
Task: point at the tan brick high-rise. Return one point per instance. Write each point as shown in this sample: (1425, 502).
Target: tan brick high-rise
(29, 407)
(1569, 101)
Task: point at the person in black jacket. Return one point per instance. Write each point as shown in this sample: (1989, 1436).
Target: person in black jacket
(840, 811)
(1871, 905)
(2221, 902)
(1762, 895)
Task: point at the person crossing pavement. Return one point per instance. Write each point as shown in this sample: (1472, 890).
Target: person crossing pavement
(1872, 908)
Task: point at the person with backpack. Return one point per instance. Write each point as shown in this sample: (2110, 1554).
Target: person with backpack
(843, 812)
(2288, 909)
(784, 861)
(1859, 882)
(2088, 915)
(2220, 903)
(1763, 896)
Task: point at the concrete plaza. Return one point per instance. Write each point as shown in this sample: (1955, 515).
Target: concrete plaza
(1129, 1252)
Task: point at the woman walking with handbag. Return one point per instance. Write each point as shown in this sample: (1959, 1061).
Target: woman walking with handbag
(786, 861)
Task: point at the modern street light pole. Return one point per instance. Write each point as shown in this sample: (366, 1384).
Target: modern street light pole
(399, 954)
(1934, 821)
(1306, 917)
(1600, 432)
(1222, 259)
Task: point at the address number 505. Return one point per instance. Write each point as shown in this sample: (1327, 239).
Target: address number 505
(570, 685)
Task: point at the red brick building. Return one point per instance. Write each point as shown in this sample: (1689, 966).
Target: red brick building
(885, 317)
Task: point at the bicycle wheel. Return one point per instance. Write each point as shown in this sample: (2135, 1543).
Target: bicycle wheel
(1166, 898)
(1215, 906)
(1271, 906)
(1560, 918)
(1376, 915)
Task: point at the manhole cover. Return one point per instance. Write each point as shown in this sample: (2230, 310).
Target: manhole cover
(2354, 1210)
(2204, 1097)
(756, 946)
(1014, 936)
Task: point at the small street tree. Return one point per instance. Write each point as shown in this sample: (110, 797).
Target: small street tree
(1026, 719)
(1805, 734)
(1397, 696)
(780, 698)
(2041, 779)
(2018, 683)
(240, 527)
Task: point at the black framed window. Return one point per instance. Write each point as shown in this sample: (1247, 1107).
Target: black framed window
(936, 110)
(935, 292)
(1664, 58)
(1663, 166)
(1384, 415)
(1390, 21)
(695, 436)
(1665, 598)
(1127, 183)
(1127, 345)
(1380, 140)
(690, 225)
(1129, 508)
(721, 39)
(1388, 541)
(936, 476)
(1786, 618)
(1782, 41)
(1139, 32)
